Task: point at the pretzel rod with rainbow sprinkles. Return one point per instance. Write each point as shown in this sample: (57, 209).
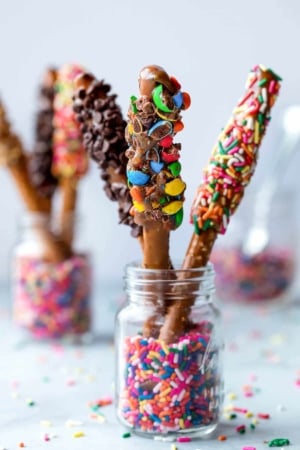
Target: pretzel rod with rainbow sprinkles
(70, 161)
(229, 171)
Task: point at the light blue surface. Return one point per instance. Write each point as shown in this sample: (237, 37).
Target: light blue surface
(262, 352)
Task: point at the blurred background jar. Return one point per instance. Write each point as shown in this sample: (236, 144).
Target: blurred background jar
(50, 299)
(269, 271)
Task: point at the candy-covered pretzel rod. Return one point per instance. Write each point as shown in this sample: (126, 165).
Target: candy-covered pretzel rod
(229, 171)
(13, 157)
(153, 170)
(103, 131)
(70, 161)
(40, 162)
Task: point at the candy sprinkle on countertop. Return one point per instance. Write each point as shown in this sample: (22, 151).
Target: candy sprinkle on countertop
(126, 435)
(222, 437)
(278, 442)
(78, 434)
(241, 429)
(183, 439)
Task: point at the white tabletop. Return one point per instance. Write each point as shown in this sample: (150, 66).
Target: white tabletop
(45, 388)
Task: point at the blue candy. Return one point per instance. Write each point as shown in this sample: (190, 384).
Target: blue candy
(138, 178)
(178, 99)
(156, 166)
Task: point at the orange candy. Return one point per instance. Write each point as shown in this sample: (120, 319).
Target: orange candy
(178, 126)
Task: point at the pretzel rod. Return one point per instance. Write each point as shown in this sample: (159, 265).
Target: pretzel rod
(229, 171)
(40, 161)
(70, 161)
(14, 159)
(153, 170)
(103, 130)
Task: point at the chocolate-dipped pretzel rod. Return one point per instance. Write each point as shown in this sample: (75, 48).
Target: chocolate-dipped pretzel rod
(153, 170)
(103, 130)
(13, 157)
(225, 178)
(40, 162)
(70, 161)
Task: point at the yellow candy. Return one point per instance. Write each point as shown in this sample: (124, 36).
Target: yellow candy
(155, 205)
(78, 434)
(175, 187)
(172, 208)
(140, 207)
(130, 128)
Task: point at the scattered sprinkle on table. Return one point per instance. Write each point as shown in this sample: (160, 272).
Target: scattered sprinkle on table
(73, 423)
(278, 442)
(183, 439)
(78, 434)
(263, 416)
(222, 437)
(126, 435)
(45, 423)
(241, 429)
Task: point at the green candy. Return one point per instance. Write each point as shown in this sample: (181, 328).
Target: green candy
(195, 222)
(179, 217)
(133, 99)
(280, 442)
(175, 168)
(156, 95)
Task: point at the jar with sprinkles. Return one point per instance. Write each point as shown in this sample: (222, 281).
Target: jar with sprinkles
(170, 386)
(265, 275)
(50, 298)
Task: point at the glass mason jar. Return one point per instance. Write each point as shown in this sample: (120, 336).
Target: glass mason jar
(265, 275)
(50, 300)
(173, 387)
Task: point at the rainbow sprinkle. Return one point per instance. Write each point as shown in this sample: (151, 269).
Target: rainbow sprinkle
(69, 156)
(169, 388)
(234, 157)
(52, 300)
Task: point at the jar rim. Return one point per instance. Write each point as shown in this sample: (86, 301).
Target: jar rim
(134, 270)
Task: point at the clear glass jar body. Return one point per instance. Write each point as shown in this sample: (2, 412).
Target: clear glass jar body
(267, 275)
(50, 300)
(173, 387)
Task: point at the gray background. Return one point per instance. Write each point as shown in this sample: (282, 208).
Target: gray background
(208, 45)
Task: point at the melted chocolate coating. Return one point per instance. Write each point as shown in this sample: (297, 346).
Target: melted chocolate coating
(103, 130)
(41, 158)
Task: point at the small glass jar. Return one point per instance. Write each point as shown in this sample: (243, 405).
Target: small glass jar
(265, 275)
(169, 388)
(50, 300)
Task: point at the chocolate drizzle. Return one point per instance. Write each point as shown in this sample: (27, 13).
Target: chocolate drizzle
(41, 158)
(103, 130)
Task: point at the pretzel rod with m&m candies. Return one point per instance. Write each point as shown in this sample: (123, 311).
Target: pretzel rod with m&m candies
(153, 169)
(230, 169)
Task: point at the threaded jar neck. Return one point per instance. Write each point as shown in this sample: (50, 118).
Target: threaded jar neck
(173, 284)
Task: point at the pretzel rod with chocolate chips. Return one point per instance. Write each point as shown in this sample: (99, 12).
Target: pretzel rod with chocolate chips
(153, 169)
(13, 157)
(40, 161)
(70, 161)
(103, 130)
(225, 178)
